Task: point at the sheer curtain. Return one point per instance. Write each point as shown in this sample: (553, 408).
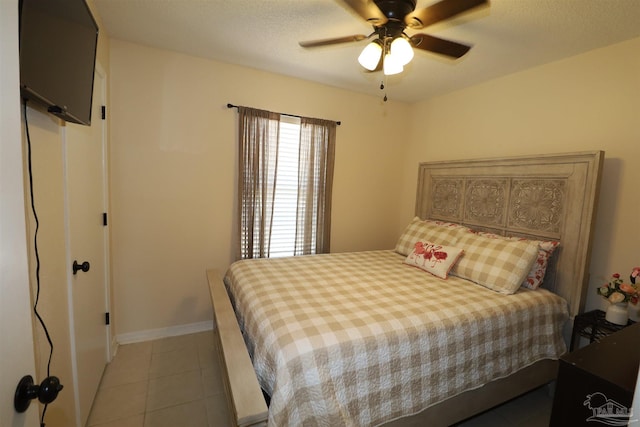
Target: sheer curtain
(315, 180)
(258, 165)
(259, 135)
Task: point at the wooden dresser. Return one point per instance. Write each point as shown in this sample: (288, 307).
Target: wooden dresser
(596, 383)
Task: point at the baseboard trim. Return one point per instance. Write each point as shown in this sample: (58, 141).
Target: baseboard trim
(113, 348)
(171, 331)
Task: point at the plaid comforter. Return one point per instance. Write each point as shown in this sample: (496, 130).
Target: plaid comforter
(359, 339)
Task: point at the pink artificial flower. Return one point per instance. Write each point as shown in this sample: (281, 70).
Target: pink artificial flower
(627, 288)
(616, 275)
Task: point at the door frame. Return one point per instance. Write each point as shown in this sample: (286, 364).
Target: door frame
(99, 70)
(105, 202)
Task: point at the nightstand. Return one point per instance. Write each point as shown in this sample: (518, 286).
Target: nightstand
(592, 325)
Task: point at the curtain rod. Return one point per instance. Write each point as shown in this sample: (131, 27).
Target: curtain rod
(284, 114)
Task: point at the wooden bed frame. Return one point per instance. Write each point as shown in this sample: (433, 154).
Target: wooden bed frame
(552, 197)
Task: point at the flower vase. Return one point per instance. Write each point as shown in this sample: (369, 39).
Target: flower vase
(617, 313)
(634, 311)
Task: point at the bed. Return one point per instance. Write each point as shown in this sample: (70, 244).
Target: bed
(403, 347)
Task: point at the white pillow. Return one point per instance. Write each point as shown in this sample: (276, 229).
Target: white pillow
(432, 258)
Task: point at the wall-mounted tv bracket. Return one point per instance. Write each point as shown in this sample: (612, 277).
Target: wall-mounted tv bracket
(26, 391)
(85, 266)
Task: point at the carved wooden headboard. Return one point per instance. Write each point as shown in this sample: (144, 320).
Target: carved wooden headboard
(551, 197)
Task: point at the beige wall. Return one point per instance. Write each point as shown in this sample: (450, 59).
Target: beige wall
(174, 166)
(588, 102)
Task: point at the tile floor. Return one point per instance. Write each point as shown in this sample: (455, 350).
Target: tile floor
(172, 382)
(175, 382)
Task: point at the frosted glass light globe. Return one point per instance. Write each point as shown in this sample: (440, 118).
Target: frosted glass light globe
(370, 55)
(391, 65)
(401, 49)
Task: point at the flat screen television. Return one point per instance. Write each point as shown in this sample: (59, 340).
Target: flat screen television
(58, 44)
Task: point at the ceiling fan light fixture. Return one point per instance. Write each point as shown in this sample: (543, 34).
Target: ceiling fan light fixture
(391, 65)
(370, 55)
(401, 50)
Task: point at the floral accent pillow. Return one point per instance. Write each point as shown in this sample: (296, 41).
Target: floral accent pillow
(433, 258)
(545, 250)
(428, 230)
(536, 275)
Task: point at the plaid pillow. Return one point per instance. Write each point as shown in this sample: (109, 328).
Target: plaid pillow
(539, 268)
(498, 264)
(445, 233)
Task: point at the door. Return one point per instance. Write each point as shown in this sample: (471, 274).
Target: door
(86, 201)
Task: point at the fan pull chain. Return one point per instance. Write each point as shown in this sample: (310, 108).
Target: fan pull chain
(382, 88)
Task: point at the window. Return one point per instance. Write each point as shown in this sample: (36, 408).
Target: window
(283, 232)
(285, 178)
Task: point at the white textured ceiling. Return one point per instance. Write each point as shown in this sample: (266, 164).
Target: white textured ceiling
(508, 36)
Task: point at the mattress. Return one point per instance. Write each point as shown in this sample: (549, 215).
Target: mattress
(359, 339)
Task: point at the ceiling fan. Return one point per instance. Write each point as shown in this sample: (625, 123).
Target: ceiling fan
(393, 48)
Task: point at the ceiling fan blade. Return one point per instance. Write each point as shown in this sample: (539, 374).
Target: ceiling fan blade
(437, 45)
(337, 40)
(368, 10)
(440, 11)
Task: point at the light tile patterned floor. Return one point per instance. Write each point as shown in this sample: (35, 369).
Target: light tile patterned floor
(175, 382)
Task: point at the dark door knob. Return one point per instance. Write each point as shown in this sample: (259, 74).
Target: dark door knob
(84, 266)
